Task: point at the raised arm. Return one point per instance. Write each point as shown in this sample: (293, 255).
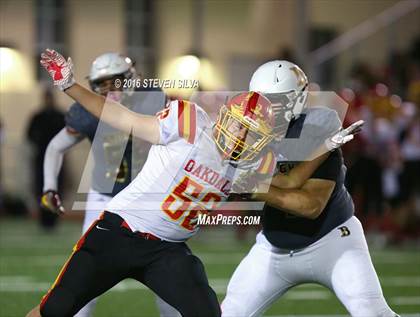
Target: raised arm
(303, 171)
(111, 112)
(142, 126)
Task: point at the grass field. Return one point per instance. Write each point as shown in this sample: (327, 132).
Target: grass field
(30, 261)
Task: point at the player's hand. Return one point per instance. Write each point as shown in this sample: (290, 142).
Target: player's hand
(51, 200)
(60, 70)
(344, 135)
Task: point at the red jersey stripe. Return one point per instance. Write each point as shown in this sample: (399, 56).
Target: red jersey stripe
(192, 123)
(181, 107)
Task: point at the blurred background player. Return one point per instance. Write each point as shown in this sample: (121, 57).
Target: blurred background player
(43, 126)
(111, 172)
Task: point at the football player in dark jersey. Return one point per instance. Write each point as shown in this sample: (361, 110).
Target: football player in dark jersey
(310, 233)
(111, 149)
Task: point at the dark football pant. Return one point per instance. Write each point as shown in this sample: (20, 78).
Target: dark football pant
(109, 253)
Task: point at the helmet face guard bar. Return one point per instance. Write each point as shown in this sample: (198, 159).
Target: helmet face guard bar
(285, 100)
(96, 84)
(236, 148)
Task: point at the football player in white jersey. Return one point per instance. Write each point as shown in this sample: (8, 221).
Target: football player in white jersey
(190, 169)
(107, 179)
(310, 233)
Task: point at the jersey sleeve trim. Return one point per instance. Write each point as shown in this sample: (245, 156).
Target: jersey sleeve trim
(268, 164)
(72, 131)
(187, 120)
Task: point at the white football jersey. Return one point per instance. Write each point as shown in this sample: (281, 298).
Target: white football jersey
(183, 175)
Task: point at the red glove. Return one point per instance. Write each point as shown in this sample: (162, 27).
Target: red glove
(60, 70)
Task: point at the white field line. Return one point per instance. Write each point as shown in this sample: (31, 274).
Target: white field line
(221, 284)
(400, 281)
(402, 259)
(18, 283)
(50, 247)
(17, 234)
(58, 259)
(35, 260)
(236, 257)
(206, 257)
(25, 284)
(11, 238)
(393, 281)
(405, 300)
(394, 253)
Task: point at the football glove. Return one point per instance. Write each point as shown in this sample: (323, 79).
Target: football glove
(51, 200)
(343, 136)
(60, 70)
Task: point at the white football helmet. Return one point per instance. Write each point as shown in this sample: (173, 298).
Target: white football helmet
(109, 65)
(285, 85)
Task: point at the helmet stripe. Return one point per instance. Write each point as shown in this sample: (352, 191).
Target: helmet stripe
(251, 104)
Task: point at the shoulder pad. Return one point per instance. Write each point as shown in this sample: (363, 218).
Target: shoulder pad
(326, 119)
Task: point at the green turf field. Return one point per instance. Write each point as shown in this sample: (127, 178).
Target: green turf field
(30, 260)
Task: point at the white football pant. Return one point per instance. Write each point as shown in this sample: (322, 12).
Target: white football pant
(338, 261)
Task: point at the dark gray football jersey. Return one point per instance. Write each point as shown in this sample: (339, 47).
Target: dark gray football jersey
(117, 158)
(287, 231)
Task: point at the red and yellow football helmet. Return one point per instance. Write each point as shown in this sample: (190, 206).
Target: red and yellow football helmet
(244, 126)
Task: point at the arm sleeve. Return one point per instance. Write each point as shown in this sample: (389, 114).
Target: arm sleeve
(53, 158)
